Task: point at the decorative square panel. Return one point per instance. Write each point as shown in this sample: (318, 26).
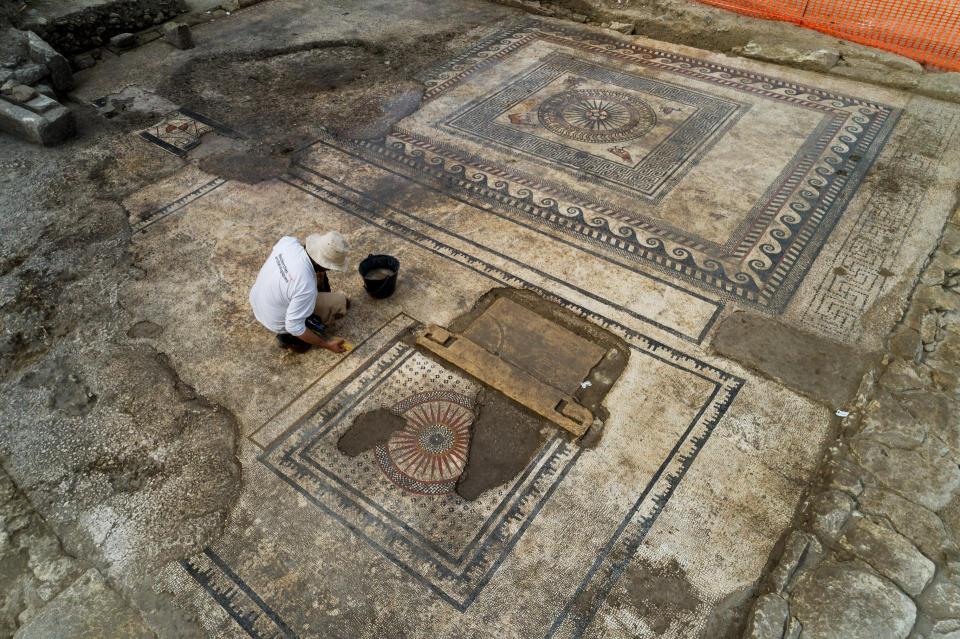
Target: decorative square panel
(724, 178)
(180, 131)
(451, 544)
(622, 129)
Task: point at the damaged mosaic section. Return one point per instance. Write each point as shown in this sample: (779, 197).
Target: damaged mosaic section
(519, 349)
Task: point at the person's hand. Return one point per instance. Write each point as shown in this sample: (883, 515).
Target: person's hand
(335, 346)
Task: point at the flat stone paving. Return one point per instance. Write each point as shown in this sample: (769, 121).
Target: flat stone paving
(651, 189)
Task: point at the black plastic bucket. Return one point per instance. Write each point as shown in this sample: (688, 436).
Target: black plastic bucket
(379, 273)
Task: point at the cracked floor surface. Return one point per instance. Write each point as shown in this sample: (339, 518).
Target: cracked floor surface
(194, 467)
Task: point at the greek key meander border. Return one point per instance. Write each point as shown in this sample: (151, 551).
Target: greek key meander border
(847, 297)
(787, 263)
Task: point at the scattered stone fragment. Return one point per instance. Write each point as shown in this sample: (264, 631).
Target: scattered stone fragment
(891, 554)
(917, 523)
(856, 55)
(123, 41)
(793, 54)
(830, 513)
(30, 73)
(20, 93)
(768, 619)
(923, 475)
(841, 600)
(178, 34)
(45, 89)
(42, 53)
(622, 27)
(802, 551)
(83, 61)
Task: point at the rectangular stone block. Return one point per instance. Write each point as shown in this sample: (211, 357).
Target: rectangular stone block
(41, 104)
(47, 128)
(40, 52)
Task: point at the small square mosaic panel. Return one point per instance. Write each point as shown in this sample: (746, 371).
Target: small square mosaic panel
(180, 131)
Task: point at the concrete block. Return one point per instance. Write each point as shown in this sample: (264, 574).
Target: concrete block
(41, 104)
(45, 89)
(31, 73)
(19, 93)
(178, 34)
(49, 128)
(123, 41)
(83, 61)
(40, 52)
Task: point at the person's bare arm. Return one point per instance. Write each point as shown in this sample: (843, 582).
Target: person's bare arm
(332, 345)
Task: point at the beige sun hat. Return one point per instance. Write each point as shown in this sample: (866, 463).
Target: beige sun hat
(328, 250)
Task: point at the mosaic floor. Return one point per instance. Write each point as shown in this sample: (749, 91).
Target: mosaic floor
(650, 191)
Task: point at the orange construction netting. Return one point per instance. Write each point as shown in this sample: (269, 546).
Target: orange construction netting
(925, 30)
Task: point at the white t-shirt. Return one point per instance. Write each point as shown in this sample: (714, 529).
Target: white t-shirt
(285, 292)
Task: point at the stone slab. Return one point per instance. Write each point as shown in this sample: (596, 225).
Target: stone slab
(87, 608)
(560, 408)
(50, 127)
(552, 354)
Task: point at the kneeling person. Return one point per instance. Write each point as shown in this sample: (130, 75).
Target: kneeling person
(292, 296)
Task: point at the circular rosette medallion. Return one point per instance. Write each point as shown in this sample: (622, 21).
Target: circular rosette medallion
(428, 455)
(596, 115)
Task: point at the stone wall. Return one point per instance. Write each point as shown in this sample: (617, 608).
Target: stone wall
(876, 554)
(94, 25)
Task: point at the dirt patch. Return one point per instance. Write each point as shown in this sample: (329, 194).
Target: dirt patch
(661, 595)
(729, 616)
(250, 167)
(825, 370)
(281, 98)
(144, 328)
(505, 437)
(369, 430)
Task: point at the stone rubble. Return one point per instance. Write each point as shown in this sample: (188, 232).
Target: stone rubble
(30, 67)
(39, 577)
(123, 41)
(178, 34)
(94, 25)
(876, 554)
